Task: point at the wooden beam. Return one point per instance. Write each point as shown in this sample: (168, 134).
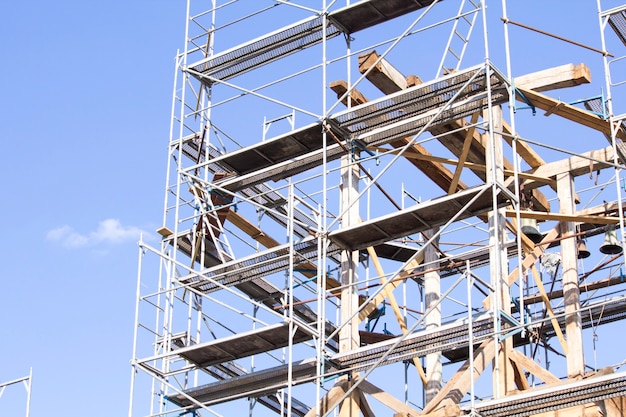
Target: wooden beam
(386, 398)
(330, 400)
(350, 405)
(364, 405)
(567, 111)
(576, 218)
(569, 278)
(428, 157)
(466, 145)
(585, 287)
(529, 260)
(458, 385)
(524, 150)
(532, 367)
(387, 291)
(451, 134)
(576, 165)
(546, 302)
(568, 75)
(340, 87)
(368, 309)
(382, 74)
(613, 407)
(520, 379)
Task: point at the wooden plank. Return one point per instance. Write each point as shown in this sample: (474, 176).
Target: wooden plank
(568, 75)
(568, 111)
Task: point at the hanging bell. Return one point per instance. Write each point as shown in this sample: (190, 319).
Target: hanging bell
(530, 229)
(583, 252)
(611, 246)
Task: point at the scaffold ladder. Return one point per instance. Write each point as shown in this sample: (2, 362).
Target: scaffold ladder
(459, 37)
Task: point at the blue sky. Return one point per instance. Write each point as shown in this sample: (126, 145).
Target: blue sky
(85, 105)
(84, 110)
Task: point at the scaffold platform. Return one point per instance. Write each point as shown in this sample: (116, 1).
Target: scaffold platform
(418, 218)
(298, 36)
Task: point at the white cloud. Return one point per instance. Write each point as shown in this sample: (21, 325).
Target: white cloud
(109, 231)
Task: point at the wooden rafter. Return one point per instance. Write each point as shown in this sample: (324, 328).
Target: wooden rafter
(567, 111)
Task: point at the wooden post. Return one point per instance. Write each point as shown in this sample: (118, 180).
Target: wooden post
(571, 292)
(349, 333)
(432, 288)
(504, 379)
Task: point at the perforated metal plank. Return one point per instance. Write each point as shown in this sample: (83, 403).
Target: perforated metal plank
(617, 22)
(298, 36)
(406, 112)
(255, 266)
(251, 385)
(373, 12)
(417, 218)
(377, 122)
(442, 339)
(263, 50)
(566, 395)
(242, 345)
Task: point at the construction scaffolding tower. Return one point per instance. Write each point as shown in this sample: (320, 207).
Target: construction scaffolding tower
(327, 253)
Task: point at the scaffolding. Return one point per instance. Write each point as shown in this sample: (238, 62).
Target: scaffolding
(325, 253)
(27, 382)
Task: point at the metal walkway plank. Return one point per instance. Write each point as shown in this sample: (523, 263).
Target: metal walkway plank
(420, 217)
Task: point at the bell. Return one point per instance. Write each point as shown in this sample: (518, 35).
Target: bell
(530, 229)
(583, 252)
(611, 246)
